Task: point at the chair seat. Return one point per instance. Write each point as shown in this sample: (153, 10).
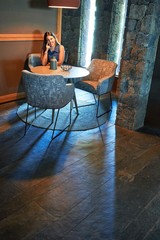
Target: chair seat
(87, 85)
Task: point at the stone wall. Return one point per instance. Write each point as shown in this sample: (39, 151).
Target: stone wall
(83, 38)
(102, 28)
(116, 34)
(70, 33)
(74, 27)
(141, 35)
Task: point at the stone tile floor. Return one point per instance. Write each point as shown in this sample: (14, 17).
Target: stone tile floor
(90, 185)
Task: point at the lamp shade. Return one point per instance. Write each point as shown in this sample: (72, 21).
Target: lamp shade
(73, 4)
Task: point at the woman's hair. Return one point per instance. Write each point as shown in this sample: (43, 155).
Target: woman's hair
(45, 39)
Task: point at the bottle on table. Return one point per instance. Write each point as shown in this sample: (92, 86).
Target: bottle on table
(53, 63)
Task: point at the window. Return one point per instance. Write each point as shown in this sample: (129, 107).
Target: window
(114, 38)
(86, 32)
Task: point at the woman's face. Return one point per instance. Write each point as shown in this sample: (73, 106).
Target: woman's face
(51, 41)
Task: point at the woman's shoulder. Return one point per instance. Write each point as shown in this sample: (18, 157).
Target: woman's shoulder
(61, 47)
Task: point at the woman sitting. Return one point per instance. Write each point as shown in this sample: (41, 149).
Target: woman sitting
(52, 48)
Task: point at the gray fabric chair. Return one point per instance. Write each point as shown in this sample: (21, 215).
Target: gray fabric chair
(47, 92)
(99, 81)
(34, 59)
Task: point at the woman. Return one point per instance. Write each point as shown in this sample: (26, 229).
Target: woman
(52, 48)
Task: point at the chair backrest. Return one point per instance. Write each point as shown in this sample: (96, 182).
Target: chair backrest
(100, 68)
(34, 59)
(66, 57)
(47, 91)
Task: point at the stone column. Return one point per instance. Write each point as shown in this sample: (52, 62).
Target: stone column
(116, 33)
(139, 51)
(84, 25)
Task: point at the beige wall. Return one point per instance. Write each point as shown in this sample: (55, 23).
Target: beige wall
(22, 25)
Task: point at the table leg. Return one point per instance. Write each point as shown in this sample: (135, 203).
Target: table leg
(74, 98)
(75, 101)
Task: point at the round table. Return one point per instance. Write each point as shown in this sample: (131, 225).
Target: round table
(74, 72)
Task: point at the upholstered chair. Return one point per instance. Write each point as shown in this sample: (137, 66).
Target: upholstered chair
(34, 59)
(47, 92)
(99, 81)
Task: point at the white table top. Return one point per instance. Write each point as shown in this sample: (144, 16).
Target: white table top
(74, 72)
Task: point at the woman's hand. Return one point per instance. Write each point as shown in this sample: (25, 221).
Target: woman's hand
(47, 46)
(44, 55)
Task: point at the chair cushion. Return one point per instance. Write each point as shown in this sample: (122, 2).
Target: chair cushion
(89, 86)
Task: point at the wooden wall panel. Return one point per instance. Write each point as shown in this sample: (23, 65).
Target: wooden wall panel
(12, 60)
(22, 26)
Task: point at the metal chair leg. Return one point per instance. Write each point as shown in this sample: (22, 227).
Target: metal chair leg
(35, 116)
(110, 99)
(70, 112)
(61, 131)
(75, 102)
(26, 122)
(35, 113)
(55, 121)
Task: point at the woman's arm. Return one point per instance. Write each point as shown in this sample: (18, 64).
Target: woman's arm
(61, 55)
(44, 55)
(44, 58)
